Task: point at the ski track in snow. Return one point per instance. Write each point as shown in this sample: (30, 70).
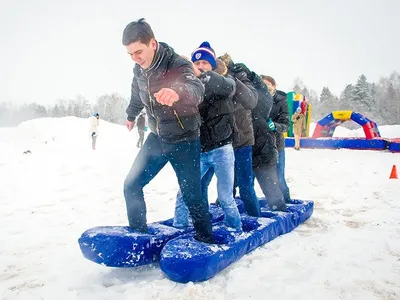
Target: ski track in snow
(348, 249)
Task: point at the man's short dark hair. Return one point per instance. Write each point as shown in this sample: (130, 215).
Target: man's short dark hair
(138, 30)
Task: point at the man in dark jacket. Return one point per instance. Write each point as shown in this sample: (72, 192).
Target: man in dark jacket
(265, 152)
(216, 136)
(164, 83)
(141, 122)
(245, 100)
(279, 123)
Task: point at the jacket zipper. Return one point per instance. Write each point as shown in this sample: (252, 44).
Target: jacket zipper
(151, 103)
(179, 120)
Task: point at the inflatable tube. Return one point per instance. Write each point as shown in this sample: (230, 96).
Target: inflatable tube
(338, 143)
(394, 146)
(184, 259)
(121, 246)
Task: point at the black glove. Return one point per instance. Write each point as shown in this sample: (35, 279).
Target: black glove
(93, 133)
(204, 77)
(240, 67)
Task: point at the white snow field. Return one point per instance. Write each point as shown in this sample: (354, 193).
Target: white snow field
(348, 249)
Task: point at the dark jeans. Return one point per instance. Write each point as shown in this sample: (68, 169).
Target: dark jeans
(185, 160)
(244, 180)
(268, 181)
(141, 138)
(280, 169)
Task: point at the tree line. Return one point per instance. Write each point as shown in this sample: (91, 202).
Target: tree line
(379, 101)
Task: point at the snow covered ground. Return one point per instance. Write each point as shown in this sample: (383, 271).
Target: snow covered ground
(349, 249)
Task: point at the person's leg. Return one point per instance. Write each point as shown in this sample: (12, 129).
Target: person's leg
(141, 138)
(148, 162)
(268, 181)
(94, 138)
(181, 216)
(280, 169)
(223, 162)
(296, 141)
(185, 159)
(206, 178)
(244, 180)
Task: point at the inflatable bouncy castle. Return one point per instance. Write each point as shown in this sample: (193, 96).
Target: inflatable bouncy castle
(294, 101)
(326, 126)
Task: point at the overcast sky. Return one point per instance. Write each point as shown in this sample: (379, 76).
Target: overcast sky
(53, 49)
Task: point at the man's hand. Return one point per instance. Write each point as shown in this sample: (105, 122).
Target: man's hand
(129, 124)
(166, 96)
(240, 67)
(271, 124)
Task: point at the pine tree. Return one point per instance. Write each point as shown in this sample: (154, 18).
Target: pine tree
(362, 95)
(326, 95)
(347, 97)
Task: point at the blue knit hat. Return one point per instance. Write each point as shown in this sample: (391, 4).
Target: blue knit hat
(205, 52)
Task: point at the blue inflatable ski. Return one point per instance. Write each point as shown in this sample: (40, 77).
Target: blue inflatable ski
(184, 259)
(121, 246)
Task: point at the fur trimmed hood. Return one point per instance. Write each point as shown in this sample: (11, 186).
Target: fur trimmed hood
(221, 68)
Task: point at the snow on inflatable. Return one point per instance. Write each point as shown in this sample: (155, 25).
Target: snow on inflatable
(182, 258)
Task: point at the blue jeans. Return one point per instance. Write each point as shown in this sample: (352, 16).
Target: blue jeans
(185, 160)
(280, 169)
(222, 161)
(244, 180)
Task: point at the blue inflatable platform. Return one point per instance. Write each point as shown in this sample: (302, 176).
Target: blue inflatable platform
(337, 143)
(121, 246)
(184, 259)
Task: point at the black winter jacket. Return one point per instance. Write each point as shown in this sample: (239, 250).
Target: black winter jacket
(265, 152)
(178, 123)
(216, 111)
(280, 116)
(244, 101)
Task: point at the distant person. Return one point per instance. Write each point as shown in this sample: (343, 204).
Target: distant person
(298, 126)
(141, 122)
(165, 84)
(93, 128)
(278, 122)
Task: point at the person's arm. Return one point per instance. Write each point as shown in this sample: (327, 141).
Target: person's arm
(265, 101)
(282, 121)
(218, 84)
(188, 87)
(246, 94)
(135, 105)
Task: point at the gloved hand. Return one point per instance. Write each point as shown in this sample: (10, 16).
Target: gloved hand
(241, 67)
(93, 133)
(271, 124)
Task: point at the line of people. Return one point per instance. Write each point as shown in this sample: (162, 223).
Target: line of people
(207, 116)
